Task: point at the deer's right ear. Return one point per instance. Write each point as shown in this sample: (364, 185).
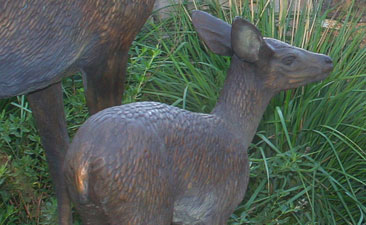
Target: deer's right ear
(246, 40)
(214, 32)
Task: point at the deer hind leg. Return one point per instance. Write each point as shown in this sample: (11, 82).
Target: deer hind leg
(142, 198)
(145, 216)
(91, 214)
(104, 76)
(48, 112)
(104, 81)
(143, 193)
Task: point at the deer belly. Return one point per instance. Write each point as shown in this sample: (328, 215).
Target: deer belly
(194, 208)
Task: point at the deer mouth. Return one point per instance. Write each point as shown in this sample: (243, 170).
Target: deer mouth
(309, 79)
(314, 74)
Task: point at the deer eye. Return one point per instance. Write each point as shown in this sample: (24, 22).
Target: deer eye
(288, 60)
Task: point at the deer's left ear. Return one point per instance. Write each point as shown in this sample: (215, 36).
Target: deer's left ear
(214, 32)
(246, 40)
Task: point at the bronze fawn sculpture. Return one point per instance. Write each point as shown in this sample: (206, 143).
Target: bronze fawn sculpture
(151, 163)
(41, 41)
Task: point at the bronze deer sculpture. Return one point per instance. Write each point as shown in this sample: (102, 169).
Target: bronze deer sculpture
(151, 163)
(43, 41)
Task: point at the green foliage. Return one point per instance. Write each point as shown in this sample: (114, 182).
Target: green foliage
(23, 173)
(308, 158)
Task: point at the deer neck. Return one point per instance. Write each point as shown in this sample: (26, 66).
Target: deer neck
(243, 98)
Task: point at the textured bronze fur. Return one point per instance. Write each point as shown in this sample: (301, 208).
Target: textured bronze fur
(151, 163)
(41, 41)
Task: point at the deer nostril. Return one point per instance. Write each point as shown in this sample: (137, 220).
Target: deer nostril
(328, 60)
(328, 64)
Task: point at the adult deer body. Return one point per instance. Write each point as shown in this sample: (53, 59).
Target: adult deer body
(150, 163)
(41, 41)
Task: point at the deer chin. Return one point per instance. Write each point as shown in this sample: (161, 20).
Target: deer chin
(322, 74)
(320, 77)
(302, 80)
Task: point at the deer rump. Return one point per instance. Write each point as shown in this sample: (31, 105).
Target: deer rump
(164, 159)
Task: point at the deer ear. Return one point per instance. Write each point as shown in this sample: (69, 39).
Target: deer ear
(246, 40)
(215, 32)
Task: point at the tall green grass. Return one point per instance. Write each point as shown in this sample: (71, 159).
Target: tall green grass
(308, 159)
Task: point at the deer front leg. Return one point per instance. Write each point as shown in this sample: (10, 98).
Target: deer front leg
(104, 81)
(48, 112)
